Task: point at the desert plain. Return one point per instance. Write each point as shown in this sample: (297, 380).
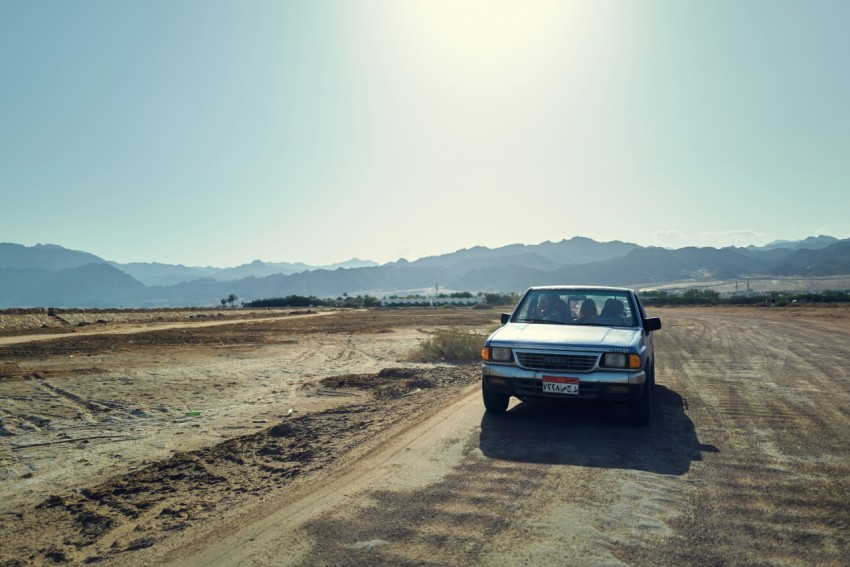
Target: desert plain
(238, 437)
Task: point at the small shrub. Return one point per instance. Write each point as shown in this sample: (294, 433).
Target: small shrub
(450, 345)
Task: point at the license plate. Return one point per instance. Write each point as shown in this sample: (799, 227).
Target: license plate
(560, 385)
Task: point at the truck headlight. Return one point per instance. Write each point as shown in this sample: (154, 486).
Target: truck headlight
(501, 354)
(620, 360)
(614, 360)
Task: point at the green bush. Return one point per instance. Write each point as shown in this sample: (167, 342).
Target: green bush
(501, 298)
(450, 345)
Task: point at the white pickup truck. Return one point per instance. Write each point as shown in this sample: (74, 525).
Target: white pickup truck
(572, 343)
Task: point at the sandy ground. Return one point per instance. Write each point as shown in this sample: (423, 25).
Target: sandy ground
(315, 441)
(104, 404)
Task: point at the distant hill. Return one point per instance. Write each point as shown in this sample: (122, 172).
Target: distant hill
(810, 243)
(259, 269)
(577, 250)
(91, 285)
(49, 275)
(157, 274)
(637, 268)
(44, 256)
(832, 260)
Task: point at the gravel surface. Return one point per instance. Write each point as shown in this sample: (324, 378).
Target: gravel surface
(313, 440)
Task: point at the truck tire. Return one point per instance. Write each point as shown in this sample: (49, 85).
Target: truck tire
(640, 411)
(494, 402)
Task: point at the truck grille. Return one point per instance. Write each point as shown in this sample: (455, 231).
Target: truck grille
(557, 362)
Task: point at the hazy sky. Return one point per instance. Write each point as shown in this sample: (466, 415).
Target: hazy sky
(216, 133)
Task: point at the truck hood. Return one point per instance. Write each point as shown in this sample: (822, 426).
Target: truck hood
(531, 335)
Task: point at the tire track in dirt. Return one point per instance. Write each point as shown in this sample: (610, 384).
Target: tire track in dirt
(743, 466)
(63, 405)
(87, 409)
(772, 396)
(491, 490)
(746, 463)
(450, 523)
(131, 513)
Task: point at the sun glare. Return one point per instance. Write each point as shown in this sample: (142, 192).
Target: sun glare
(480, 26)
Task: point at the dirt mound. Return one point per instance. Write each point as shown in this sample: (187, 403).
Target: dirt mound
(134, 511)
(11, 371)
(115, 437)
(392, 383)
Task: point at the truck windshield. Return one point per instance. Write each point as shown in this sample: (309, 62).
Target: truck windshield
(576, 307)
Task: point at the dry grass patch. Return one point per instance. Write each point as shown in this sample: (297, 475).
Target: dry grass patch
(450, 345)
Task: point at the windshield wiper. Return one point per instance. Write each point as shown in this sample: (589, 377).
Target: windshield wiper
(544, 321)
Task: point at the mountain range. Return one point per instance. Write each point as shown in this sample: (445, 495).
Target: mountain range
(50, 275)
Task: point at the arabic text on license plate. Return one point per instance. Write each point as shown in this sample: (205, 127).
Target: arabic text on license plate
(560, 385)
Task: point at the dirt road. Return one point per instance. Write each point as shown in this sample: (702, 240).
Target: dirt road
(389, 462)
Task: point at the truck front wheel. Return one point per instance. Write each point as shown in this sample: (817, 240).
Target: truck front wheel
(640, 411)
(494, 402)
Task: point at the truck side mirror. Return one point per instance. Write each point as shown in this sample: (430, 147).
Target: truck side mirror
(505, 318)
(651, 324)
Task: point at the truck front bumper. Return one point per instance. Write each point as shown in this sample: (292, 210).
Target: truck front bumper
(598, 385)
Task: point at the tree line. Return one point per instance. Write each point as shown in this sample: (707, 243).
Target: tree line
(359, 301)
(711, 297)
(313, 301)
